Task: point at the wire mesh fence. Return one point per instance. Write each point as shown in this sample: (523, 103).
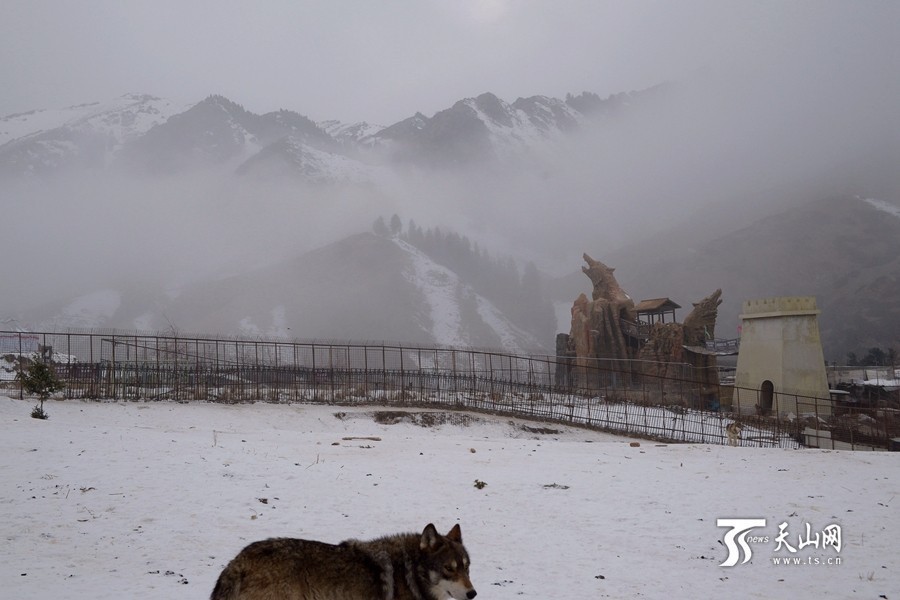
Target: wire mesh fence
(614, 396)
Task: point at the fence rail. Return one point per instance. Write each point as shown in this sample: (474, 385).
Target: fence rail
(609, 395)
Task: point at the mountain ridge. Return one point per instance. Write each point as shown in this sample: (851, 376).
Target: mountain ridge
(217, 130)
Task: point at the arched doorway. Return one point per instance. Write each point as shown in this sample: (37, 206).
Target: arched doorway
(766, 397)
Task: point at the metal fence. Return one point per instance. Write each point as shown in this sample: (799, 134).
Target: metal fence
(613, 396)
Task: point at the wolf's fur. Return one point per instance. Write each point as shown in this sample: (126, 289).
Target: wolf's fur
(426, 566)
(733, 431)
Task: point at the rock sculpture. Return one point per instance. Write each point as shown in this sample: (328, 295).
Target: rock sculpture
(607, 289)
(700, 327)
(596, 331)
(700, 324)
(605, 333)
(664, 353)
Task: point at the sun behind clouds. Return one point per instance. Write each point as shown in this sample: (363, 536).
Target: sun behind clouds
(485, 11)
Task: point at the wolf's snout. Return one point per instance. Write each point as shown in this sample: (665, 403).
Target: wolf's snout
(471, 594)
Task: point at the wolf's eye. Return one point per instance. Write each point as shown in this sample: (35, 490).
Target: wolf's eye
(449, 568)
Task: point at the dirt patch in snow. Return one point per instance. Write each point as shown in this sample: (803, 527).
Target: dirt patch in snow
(422, 419)
(437, 419)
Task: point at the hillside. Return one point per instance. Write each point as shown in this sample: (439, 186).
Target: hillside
(364, 287)
(843, 250)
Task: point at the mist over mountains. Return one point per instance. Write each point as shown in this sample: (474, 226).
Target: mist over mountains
(145, 135)
(138, 213)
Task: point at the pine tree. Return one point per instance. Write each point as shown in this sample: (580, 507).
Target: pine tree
(379, 228)
(396, 225)
(414, 234)
(40, 379)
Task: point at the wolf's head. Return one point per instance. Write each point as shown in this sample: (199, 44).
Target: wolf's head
(447, 563)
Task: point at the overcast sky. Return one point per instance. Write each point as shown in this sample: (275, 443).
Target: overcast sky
(384, 60)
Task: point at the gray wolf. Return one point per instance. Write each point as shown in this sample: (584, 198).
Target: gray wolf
(411, 566)
(733, 431)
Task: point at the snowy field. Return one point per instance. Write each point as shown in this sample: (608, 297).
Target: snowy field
(150, 500)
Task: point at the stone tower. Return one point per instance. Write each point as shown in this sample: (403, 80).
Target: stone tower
(781, 366)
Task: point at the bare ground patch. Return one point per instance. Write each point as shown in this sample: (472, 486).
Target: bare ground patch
(437, 419)
(420, 418)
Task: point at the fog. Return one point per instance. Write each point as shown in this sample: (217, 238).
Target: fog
(382, 62)
(758, 104)
(722, 148)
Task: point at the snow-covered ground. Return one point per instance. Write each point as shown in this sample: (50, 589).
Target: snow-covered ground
(150, 500)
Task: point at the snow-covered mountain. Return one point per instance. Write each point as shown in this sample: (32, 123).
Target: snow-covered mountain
(364, 287)
(124, 118)
(292, 157)
(349, 133)
(151, 135)
(488, 131)
(84, 136)
(218, 131)
(476, 129)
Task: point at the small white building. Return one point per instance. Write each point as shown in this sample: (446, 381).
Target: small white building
(781, 366)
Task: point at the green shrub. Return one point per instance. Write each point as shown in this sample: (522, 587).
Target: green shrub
(39, 379)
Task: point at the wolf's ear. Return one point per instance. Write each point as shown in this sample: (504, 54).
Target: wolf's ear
(455, 534)
(429, 537)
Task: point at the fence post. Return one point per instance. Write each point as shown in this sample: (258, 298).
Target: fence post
(218, 369)
(113, 374)
(588, 401)
(490, 358)
(453, 376)
(366, 371)
(197, 369)
(176, 374)
(816, 405)
(239, 374)
(69, 365)
(21, 387)
(95, 372)
(314, 379)
(295, 370)
(702, 416)
(420, 376)
(331, 369)
(256, 369)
